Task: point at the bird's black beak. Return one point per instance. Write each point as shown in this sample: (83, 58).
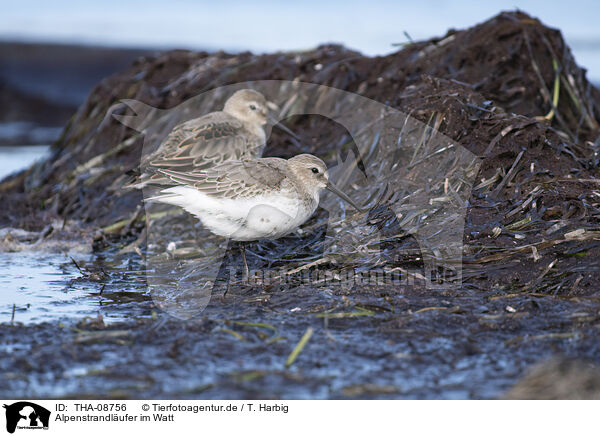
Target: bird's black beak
(331, 187)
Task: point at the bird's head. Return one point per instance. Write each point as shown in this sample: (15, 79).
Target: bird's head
(249, 106)
(313, 173)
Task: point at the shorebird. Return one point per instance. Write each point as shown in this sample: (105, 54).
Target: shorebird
(236, 132)
(252, 199)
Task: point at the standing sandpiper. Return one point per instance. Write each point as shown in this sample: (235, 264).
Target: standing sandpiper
(252, 199)
(236, 132)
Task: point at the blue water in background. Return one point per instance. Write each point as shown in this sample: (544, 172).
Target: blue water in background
(19, 157)
(268, 25)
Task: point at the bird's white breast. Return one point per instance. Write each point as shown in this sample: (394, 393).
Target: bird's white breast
(269, 215)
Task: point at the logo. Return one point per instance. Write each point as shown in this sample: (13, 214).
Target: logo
(415, 182)
(26, 415)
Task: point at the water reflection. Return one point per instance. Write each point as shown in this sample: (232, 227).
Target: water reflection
(40, 287)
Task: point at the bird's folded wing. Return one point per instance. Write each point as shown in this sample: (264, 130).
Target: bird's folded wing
(204, 142)
(234, 179)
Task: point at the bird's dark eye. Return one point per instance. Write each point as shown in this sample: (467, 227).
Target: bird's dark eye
(315, 170)
(252, 107)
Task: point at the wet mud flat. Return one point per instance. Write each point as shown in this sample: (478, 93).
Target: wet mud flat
(523, 124)
(365, 344)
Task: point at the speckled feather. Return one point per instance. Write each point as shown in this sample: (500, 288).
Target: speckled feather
(233, 179)
(201, 143)
(250, 199)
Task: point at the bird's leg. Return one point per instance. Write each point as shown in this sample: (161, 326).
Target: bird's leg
(246, 271)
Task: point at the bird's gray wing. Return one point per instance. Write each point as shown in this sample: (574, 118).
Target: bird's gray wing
(233, 179)
(204, 142)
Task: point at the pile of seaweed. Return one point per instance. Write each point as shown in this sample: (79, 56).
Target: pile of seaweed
(507, 90)
(497, 119)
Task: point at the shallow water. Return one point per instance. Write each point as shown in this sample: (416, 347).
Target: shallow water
(38, 288)
(49, 287)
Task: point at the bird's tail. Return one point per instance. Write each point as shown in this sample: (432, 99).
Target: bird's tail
(163, 198)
